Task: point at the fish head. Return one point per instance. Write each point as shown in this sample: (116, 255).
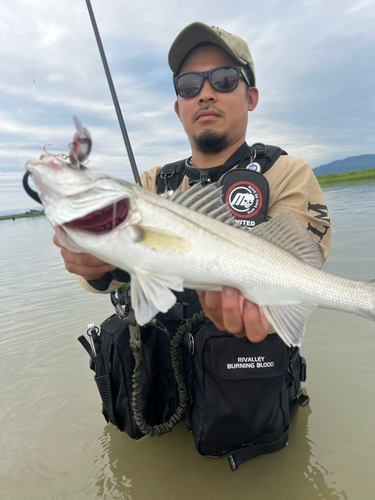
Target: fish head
(81, 201)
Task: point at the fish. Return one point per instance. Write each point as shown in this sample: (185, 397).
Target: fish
(190, 240)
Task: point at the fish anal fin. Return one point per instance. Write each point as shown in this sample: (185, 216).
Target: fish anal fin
(151, 293)
(286, 232)
(289, 320)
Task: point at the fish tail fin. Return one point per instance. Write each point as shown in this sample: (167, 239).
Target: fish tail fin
(369, 311)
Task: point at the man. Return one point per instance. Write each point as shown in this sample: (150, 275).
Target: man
(215, 121)
(239, 390)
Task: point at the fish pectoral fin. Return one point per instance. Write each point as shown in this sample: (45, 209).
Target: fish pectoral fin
(151, 293)
(289, 320)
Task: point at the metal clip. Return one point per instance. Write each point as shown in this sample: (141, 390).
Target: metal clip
(92, 332)
(166, 176)
(121, 303)
(204, 179)
(253, 154)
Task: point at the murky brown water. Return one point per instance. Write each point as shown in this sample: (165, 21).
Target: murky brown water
(54, 443)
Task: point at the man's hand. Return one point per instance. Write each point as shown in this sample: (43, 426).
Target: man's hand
(231, 312)
(83, 264)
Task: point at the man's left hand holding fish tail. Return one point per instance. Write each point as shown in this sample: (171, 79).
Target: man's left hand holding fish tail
(231, 312)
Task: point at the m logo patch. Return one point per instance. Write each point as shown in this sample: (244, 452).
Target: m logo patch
(246, 194)
(244, 199)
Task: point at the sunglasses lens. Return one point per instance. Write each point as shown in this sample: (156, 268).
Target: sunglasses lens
(221, 79)
(189, 85)
(224, 79)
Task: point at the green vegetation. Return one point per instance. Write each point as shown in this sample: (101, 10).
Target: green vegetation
(30, 213)
(357, 175)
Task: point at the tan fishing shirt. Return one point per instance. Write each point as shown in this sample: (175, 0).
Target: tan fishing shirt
(293, 188)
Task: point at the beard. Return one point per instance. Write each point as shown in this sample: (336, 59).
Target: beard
(210, 142)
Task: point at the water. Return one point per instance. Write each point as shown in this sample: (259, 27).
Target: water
(56, 445)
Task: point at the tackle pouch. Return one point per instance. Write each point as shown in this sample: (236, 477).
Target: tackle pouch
(240, 404)
(150, 392)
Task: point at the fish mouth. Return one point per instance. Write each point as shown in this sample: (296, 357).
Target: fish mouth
(104, 220)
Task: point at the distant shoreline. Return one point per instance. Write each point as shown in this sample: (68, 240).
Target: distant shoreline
(30, 213)
(324, 180)
(357, 175)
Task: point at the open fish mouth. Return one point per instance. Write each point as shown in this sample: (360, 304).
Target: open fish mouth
(103, 220)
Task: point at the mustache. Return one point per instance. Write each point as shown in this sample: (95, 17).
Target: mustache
(206, 108)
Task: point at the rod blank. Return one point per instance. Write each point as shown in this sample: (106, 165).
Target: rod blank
(114, 96)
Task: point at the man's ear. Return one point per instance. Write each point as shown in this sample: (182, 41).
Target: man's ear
(252, 98)
(177, 109)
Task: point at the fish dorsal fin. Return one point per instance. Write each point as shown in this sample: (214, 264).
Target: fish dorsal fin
(205, 200)
(289, 321)
(151, 293)
(286, 232)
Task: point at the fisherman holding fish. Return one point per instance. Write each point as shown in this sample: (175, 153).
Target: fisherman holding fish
(245, 226)
(214, 79)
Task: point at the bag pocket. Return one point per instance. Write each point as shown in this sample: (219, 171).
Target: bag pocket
(239, 391)
(155, 398)
(115, 385)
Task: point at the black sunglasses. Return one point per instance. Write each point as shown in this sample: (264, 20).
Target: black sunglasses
(221, 79)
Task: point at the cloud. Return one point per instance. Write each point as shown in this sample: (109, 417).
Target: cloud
(312, 61)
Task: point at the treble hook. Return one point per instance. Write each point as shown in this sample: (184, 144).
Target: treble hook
(79, 151)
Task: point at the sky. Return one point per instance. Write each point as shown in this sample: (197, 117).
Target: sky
(314, 63)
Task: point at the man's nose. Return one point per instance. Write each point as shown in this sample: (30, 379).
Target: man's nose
(207, 92)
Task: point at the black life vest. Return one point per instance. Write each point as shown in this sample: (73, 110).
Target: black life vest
(245, 189)
(226, 379)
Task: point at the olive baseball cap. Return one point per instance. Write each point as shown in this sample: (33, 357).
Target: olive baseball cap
(198, 33)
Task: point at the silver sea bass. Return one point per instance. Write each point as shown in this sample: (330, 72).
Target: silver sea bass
(189, 241)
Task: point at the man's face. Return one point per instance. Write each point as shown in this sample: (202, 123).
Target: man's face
(212, 114)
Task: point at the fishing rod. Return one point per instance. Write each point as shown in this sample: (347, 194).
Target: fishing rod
(114, 95)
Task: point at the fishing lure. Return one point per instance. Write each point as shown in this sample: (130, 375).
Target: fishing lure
(81, 146)
(79, 151)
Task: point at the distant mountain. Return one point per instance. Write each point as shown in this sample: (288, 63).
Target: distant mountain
(16, 211)
(361, 162)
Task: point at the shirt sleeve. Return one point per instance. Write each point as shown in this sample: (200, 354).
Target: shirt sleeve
(96, 286)
(294, 188)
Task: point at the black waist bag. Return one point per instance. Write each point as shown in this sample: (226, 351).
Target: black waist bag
(240, 403)
(236, 402)
(113, 363)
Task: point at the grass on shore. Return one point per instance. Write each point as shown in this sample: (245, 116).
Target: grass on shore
(358, 175)
(30, 213)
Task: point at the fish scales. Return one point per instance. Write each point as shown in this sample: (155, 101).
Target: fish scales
(272, 265)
